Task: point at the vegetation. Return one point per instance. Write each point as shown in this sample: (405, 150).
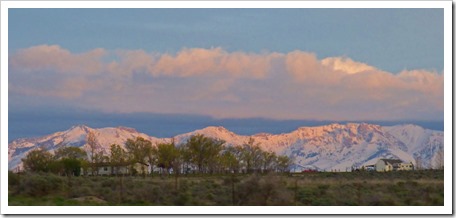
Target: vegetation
(200, 155)
(204, 171)
(361, 188)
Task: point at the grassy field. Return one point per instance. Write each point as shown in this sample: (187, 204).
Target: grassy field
(330, 189)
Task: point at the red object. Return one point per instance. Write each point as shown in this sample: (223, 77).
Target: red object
(309, 171)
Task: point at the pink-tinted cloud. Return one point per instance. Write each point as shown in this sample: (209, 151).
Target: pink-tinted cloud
(213, 62)
(303, 66)
(188, 62)
(294, 85)
(132, 61)
(53, 57)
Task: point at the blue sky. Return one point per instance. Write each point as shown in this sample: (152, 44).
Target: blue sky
(389, 39)
(224, 64)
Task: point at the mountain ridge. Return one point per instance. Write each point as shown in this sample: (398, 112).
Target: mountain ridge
(328, 147)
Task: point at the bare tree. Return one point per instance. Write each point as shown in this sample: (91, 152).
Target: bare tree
(284, 163)
(418, 163)
(439, 159)
(93, 146)
(119, 159)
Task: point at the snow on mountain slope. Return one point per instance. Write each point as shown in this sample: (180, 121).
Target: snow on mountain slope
(218, 132)
(412, 135)
(75, 136)
(339, 147)
(329, 147)
(423, 143)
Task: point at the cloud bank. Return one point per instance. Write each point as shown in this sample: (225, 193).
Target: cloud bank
(294, 85)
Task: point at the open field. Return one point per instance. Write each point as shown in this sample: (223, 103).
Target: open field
(331, 189)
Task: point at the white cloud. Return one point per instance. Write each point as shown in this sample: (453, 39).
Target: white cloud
(346, 65)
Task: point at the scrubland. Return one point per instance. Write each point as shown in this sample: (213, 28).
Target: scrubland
(307, 189)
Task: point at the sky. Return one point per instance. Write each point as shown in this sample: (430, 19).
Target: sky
(167, 71)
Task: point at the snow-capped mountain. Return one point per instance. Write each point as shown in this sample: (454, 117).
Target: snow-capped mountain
(329, 147)
(75, 136)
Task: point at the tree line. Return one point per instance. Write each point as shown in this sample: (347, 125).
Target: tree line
(198, 155)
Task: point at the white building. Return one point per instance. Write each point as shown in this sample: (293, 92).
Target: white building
(385, 165)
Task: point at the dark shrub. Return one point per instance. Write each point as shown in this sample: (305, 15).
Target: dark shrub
(264, 191)
(37, 185)
(108, 183)
(182, 199)
(13, 179)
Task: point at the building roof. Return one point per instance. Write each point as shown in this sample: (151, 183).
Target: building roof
(391, 161)
(108, 164)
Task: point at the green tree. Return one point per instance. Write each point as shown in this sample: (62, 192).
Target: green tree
(204, 152)
(119, 158)
(71, 167)
(85, 165)
(56, 167)
(100, 159)
(151, 156)
(70, 152)
(230, 159)
(137, 150)
(213, 154)
(167, 154)
(252, 156)
(231, 163)
(196, 147)
(70, 159)
(186, 157)
(38, 160)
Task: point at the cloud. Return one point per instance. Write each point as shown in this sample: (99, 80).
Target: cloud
(303, 66)
(213, 81)
(188, 62)
(213, 62)
(53, 57)
(346, 65)
(132, 61)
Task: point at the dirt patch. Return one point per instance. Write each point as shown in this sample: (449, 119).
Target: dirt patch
(90, 199)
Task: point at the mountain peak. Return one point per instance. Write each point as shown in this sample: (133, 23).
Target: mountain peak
(263, 134)
(128, 129)
(411, 126)
(369, 126)
(79, 127)
(332, 146)
(327, 127)
(216, 129)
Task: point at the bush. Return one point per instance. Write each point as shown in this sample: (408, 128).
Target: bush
(108, 183)
(310, 189)
(13, 179)
(182, 199)
(37, 185)
(81, 191)
(264, 191)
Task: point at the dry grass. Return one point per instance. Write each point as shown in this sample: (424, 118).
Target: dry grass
(396, 188)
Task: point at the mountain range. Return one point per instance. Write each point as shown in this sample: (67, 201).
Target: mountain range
(330, 147)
